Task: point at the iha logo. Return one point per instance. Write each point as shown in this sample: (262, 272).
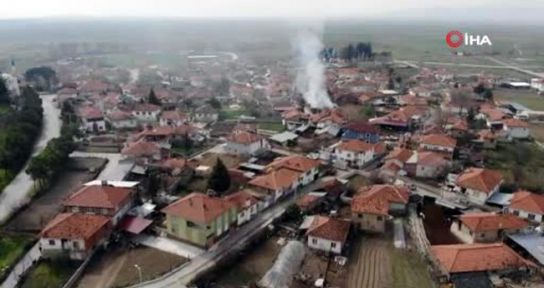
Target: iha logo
(455, 39)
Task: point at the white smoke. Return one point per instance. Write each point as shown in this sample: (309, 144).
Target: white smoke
(310, 79)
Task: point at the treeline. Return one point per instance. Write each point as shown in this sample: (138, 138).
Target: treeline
(52, 159)
(19, 131)
(360, 52)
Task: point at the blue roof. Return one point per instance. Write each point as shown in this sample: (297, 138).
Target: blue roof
(532, 243)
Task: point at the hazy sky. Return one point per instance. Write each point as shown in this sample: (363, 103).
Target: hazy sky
(459, 10)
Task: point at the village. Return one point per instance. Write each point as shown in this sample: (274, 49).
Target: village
(230, 175)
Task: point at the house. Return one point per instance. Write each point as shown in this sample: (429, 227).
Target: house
(395, 161)
(527, 205)
(426, 164)
(103, 199)
(516, 129)
(328, 234)
(404, 119)
(199, 219)
(356, 153)
(372, 206)
(362, 131)
(293, 118)
(146, 113)
(247, 205)
(478, 227)
(92, 120)
(245, 143)
(142, 150)
(311, 201)
(276, 184)
(486, 139)
(205, 114)
(465, 258)
(74, 235)
(478, 184)
(173, 118)
(438, 143)
(121, 120)
(308, 168)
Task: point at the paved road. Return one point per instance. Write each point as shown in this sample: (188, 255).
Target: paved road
(115, 170)
(16, 194)
(22, 266)
(510, 66)
(169, 245)
(237, 239)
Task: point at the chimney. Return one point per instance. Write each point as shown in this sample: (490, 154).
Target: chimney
(104, 182)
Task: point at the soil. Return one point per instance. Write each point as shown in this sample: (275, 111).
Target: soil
(370, 264)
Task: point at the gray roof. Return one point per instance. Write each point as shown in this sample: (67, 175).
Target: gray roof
(284, 137)
(500, 199)
(532, 243)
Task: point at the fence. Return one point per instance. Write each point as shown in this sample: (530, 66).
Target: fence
(77, 274)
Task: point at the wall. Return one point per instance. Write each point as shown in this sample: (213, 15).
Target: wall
(324, 245)
(369, 222)
(525, 215)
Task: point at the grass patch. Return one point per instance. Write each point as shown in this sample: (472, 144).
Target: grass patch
(537, 131)
(229, 113)
(409, 269)
(4, 109)
(356, 182)
(272, 126)
(521, 163)
(49, 274)
(11, 249)
(528, 98)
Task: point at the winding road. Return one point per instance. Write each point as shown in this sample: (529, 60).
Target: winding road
(17, 193)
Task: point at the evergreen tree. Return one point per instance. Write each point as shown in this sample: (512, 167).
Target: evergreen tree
(219, 180)
(4, 92)
(152, 98)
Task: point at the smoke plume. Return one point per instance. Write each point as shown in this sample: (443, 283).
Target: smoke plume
(310, 79)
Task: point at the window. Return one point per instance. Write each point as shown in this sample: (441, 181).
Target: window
(516, 212)
(380, 218)
(190, 224)
(76, 245)
(314, 241)
(531, 216)
(360, 215)
(482, 235)
(52, 242)
(333, 244)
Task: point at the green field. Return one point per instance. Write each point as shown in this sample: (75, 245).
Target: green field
(528, 98)
(11, 249)
(49, 274)
(272, 126)
(409, 269)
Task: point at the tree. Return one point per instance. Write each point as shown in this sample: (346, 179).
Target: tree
(152, 98)
(219, 180)
(43, 78)
(4, 92)
(368, 111)
(214, 103)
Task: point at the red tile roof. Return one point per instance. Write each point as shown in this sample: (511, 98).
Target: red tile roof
(173, 116)
(359, 146)
(74, 226)
(481, 222)
(99, 196)
(329, 229)
(198, 208)
(400, 154)
(438, 140)
(141, 149)
(277, 179)
(433, 159)
(241, 199)
(295, 162)
(480, 179)
(515, 123)
(376, 199)
(477, 257)
(361, 127)
(527, 201)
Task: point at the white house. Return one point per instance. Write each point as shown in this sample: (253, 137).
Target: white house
(356, 153)
(516, 129)
(245, 143)
(328, 234)
(146, 113)
(527, 205)
(426, 164)
(246, 204)
(205, 114)
(438, 142)
(173, 118)
(482, 227)
(276, 184)
(122, 120)
(74, 235)
(479, 184)
(92, 120)
(307, 168)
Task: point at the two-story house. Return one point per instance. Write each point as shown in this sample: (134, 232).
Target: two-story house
(247, 205)
(356, 153)
(481, 227)
(361, 130)
(199, 219)
(245, 143)
(527, 205)
(146, 113)
(440, 143)
(478, 184)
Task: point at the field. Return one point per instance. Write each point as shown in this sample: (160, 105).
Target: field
(11, 249)
(272, 126)
(528, 98)
(116, 268)
(377, 264)
(537, 131)
(49, 274)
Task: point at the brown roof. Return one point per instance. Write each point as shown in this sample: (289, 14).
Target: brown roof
(361, 127)
(173, 115)
(438, 140)
(477, 257)
(516, 123)
(400, 154)
(376, 199)
(295, 162)
(141, 148)
(146, 107)
(481, 222)
(99, 196)
(277, 179)
(74, 226)
(243, 137)
(241, 199)
(359, 146)
(527, 201)
(329, 228)
(198, 207)
(480, 179)
(173, 163)
(428, 158)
